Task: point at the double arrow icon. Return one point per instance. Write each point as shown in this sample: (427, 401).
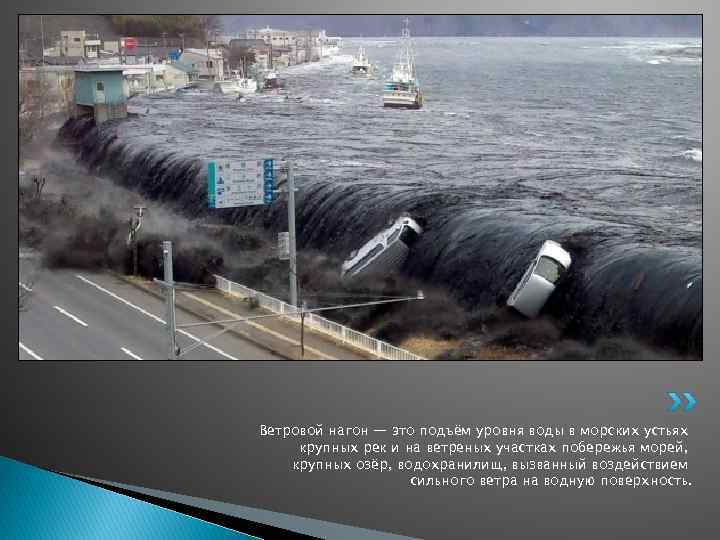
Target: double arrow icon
(677, 402)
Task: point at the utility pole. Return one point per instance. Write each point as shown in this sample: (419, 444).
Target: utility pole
(42, 37)
(291, 235)
(135, 224)
(302, 330)
(169, 298)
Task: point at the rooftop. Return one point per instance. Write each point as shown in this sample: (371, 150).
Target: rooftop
(100, 67)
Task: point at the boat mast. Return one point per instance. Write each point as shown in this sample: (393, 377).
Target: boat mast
(407, 54)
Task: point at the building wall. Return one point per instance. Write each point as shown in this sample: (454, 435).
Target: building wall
(72, 43)
(103, 113)
(200, 62)
(278, 38)
(111, 46)
(173, 77)
(85, 84)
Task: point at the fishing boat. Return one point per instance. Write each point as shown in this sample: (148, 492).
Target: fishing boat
(403, 88)
(361, 65)
(236, 84)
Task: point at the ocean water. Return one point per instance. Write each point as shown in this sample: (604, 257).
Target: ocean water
(596, 143)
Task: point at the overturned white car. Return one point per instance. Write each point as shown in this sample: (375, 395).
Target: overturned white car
(385, 252)
(539, 280)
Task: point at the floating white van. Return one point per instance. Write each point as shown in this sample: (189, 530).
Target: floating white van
(384, 253)
(539, 280)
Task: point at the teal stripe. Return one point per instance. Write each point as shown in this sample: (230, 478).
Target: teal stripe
(37, 504)
(211, 184)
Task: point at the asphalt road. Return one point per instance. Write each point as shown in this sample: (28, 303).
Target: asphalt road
(75, 315)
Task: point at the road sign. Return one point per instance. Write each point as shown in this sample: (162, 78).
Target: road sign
(240, 183)
(129, 42)
(283, 246)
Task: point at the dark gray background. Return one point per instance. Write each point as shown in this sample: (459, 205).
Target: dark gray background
(192, 428)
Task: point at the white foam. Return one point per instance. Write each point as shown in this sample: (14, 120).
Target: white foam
(694, 154)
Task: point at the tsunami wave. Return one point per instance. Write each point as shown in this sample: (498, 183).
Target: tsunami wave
(477, 251)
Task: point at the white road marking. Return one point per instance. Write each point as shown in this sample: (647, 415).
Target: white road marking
(28, 289)
(130, 353)
(31, 353)
(116, 297)
(71, 316)
(154, 317)
(258, 326)
(211, 347)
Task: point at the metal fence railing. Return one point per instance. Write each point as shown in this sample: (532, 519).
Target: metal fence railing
(341, 333)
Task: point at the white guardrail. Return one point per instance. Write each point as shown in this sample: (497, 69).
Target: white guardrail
(337, 331)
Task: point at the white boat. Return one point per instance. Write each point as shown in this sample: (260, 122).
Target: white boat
(403, 88)
(361, 65)
(236, 84)
(386, 252)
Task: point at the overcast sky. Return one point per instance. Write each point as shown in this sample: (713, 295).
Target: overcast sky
(478, 25)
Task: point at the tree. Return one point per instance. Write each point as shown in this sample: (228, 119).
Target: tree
(191, 26)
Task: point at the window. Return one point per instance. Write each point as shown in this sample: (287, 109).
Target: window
(76, 40)
(393, 236)
(377, 249)
(100, 86)
(209, 64)
(549, 269)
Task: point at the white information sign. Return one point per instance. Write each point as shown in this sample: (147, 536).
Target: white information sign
(240, 183)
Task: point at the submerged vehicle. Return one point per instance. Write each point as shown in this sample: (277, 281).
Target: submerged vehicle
(540, 279)
(361, 65)
(385, 252)
(403, 88)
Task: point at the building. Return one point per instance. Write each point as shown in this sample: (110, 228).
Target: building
(92, 48)
(170, 77)
(72, 43)
(208, 63)
(247, 44)
(78, 43)
(112, 46)
(190, 71)
(101, 92)
(274, 37)
(329, 45)
(63, 60)
(153, 78)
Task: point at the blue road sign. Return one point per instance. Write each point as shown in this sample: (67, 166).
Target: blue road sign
(269, 181)
(232, 184)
